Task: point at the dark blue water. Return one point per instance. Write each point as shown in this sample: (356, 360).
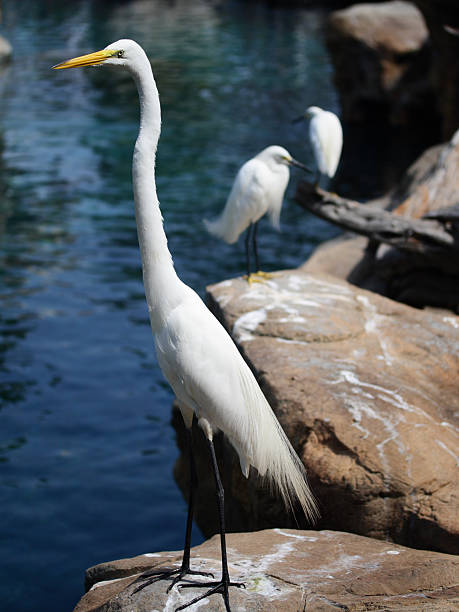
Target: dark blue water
(86, 446)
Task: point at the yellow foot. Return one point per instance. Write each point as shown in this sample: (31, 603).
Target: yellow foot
(252, 278)
(258, 277)
(263, 274)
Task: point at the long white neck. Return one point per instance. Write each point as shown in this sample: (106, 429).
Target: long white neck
(162, 286)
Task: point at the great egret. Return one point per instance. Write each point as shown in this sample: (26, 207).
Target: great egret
(199, 359)
(258, 189)
(326, 136)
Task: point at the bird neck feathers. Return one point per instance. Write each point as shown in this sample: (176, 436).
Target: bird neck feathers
(160, 279)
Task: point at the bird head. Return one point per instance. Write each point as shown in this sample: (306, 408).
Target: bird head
(278, 156)
(123, 52)
(311, 112)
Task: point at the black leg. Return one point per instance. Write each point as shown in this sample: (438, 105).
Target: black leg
(317, 181)
(224, 583)
(154, 575)
(255, 249)
(247, 248)
(189, 518)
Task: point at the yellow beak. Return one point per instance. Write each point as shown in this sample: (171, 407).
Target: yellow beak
(91, 59)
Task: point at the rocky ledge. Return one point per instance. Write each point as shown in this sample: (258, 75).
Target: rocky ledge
(366, 390)
(290, 571)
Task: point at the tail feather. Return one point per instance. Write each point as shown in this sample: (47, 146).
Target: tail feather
(286, 473)
(225, 226)
(217, 228)
(263, 444)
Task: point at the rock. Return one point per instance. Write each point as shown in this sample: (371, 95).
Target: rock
(430, 184)
(366, 390)
(6, 51)
(341, 257)
(388, 272)
(428, 189)
(318, 571)
(381, 56)
(444, 70)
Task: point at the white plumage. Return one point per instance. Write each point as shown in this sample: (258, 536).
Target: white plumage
(258, 189)
(211, 379)
(326, 136)
(195, 353)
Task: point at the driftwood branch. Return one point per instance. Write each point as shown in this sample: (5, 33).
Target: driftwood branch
(428, 237)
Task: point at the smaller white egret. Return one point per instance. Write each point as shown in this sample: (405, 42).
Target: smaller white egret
(258, 188)
(326, 136)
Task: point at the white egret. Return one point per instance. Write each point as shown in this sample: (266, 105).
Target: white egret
(258, 188)
(197, 356)
(326, 136)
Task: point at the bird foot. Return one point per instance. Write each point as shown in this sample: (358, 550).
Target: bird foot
(257, 277)
(216, 587)
(165, 573)
(264, 274)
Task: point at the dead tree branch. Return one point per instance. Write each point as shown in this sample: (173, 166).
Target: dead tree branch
(429, 237)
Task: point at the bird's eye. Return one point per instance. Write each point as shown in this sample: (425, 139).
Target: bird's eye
(120, 54)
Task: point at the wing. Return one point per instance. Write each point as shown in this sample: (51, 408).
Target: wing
(246, 203)
(327, 139)
(208, 374)
(316, 137)
(334, 142)
(201, 363)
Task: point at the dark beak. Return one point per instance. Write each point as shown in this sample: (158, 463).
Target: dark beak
(298, 119)
(293, 162)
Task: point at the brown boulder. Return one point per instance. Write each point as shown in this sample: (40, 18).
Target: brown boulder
(319, 571)
(381, 57)
(366, 390)
(440, 15)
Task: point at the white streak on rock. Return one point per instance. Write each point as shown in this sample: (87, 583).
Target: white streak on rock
(226, 283)
(296, 283)
(248, 323)
(342, 564)
(223, 300)
(448, 450)
(262, 565)
(292, 320)
(295, 535)
(372, 326)
(359, 408)
(386, 395)
(290, 341)
(309, 303)
(104, 582)
(176, 598)
(451, 425)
